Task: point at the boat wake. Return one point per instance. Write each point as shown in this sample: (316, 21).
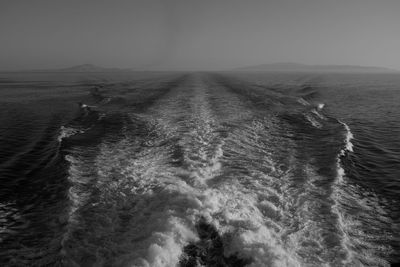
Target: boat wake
(208, 170)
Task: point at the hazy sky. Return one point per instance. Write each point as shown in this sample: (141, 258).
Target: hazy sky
(198, 34)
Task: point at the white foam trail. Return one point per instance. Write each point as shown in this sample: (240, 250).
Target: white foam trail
(201, 144)
(336, 194)
(80, 177)
(163, 247)
(236, 212)
(303, 101)
(364, 247)
(349, 137)
(313, 121)
(66, 132)
(164, 203)
(255, 204)
(360, 245)
(322, 117)
(136, 181)
(341, 219)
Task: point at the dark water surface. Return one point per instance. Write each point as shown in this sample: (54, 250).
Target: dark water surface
(199, 169)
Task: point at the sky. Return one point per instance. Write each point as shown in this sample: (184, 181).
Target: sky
(197, 34)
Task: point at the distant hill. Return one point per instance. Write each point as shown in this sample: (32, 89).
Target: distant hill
(297, 67)
(88, 68)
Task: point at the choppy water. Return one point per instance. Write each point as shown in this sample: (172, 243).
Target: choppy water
(200, 170)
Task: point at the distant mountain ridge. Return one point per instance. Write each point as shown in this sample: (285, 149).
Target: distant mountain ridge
(298, 67)
(89, 68)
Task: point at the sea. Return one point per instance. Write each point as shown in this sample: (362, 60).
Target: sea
(199, 169)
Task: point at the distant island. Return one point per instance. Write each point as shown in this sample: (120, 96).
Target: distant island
(88, 68)
(297, 67)
(274, 67)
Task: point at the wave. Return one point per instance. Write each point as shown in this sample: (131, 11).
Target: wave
(83, 123)
(349, 136)
(336, 196)
(360, 215)
(66, 132)
(303, 101)
(348, 147)
(314, 115)
(313, 120)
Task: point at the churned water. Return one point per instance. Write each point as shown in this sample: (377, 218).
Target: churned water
(208, 169)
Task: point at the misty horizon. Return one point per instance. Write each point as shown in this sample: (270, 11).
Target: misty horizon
(189, 35)
(276, 66)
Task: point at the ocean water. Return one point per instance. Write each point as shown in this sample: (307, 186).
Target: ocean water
(199, 169)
